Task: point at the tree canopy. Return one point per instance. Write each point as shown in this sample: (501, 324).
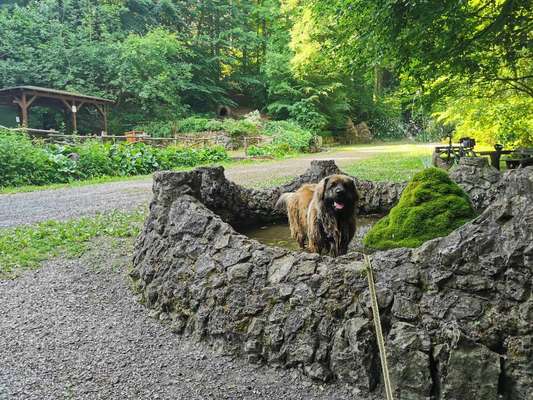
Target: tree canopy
(408, 68)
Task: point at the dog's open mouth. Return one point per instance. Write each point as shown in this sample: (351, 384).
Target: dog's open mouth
(338, 205)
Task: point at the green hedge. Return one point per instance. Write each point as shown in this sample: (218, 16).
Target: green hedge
(25, 163)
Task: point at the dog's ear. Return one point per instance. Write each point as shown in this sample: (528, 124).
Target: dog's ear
(354, 186)
(320, 189)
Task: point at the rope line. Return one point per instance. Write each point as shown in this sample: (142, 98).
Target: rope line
(379, 331)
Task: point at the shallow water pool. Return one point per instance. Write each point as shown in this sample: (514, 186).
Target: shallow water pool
(280, 235)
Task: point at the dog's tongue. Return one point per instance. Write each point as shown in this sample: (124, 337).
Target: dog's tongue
(338, 206)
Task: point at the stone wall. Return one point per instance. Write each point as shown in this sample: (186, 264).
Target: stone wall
(456, 311)
(477, 178)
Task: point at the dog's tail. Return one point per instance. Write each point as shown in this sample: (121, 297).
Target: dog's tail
(281, 204)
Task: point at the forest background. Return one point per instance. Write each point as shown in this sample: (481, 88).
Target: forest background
(408, 68)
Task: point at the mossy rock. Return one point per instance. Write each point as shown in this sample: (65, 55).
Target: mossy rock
(431, 206)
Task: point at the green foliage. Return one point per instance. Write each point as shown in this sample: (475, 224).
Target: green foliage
(25, 247)
(287, 138)
(402, 61)
(430, 206)
(239, 127)
(290, 133)
(23, 163)
(94, 160)
(233, 127)
(391, 64)
(506, 119)
(155, 58)
(194, 124)
(153, 73)
(279, 150)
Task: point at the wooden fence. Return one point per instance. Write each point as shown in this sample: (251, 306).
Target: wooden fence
(204, 139)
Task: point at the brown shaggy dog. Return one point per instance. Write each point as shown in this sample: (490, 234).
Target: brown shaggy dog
(323, 215)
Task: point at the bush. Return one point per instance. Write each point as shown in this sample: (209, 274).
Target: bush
(134, 159)
(290, 133)
(430, 206)
(176, 156)
(25, 163)
(158, 129)
(94, 160)
(240, 127)
(232, 127)
(269, 150)
(21, 163)
(193, 124)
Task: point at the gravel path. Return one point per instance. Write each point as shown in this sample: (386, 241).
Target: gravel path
(73, 330)
(61, 204)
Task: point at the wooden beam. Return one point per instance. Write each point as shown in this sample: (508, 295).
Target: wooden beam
(103, 112)
(65, 97)
(74, 122)
(67, 105)
(24, 107)
(31, 101)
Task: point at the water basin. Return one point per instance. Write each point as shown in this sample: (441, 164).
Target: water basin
(280, 235)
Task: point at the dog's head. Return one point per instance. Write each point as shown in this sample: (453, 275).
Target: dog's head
(338, 194)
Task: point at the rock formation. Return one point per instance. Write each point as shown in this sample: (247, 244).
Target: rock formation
(477, 178)
(456, 311)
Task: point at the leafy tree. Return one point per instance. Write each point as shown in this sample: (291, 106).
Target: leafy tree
(152, 73)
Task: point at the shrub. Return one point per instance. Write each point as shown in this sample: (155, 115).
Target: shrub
(296, 137)
(94, 160)
(21, 163)
(430, 206)
(239, 127)
(269, 150)
(177, 156)
(232, 127)
(25, 163)
(193, 124)
(158, 129)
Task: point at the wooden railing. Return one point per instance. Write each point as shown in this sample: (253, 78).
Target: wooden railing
(202, 139)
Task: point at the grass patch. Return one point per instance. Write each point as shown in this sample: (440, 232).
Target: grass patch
(27, 246)
(391, 167)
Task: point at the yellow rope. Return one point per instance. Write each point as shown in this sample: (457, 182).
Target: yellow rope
(377, 325)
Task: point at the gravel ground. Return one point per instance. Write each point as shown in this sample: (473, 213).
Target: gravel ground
(61, 204)
(74, 330)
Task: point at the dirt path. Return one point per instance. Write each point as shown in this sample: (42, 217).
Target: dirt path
(61, 204)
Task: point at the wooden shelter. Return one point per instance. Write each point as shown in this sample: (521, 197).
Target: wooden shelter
(27, 96)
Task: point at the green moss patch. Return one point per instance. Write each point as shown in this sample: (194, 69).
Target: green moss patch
(430, 206)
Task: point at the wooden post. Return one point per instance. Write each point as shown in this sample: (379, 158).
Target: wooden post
(103, 112)
(105, 118)
(74, 112)
(24, 106)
